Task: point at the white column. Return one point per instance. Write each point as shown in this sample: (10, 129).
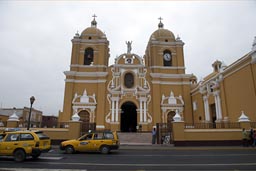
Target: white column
(112, 111)
(116, 120)
(217, 105)
(206, 108)
(145, 112)
(141, 111)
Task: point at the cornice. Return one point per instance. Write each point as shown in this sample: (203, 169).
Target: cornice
(86, 74)
(161, 75)
(171, 83)
(88, 66)
(85, 81)
(178, 43)
(97, 41)
(167, 68)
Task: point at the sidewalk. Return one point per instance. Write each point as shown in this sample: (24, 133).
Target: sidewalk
(147, 146)
(172, 147)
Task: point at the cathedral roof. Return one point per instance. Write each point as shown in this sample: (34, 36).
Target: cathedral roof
(93, 31)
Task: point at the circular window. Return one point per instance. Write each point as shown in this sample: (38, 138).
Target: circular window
(129, 80)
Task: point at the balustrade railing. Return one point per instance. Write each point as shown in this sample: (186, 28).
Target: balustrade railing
(220, 125)
(253, 124)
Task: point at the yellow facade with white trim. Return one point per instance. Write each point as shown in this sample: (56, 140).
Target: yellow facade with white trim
(140, 91)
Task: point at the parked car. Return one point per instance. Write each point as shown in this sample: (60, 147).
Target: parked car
(21, 144)
(102, 142)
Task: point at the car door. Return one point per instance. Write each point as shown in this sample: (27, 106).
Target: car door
(98, 141)
(85, 143)
(9, 143)
(2, 139)
(27, 141)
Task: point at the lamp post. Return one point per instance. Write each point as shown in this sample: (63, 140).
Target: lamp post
(32, 99)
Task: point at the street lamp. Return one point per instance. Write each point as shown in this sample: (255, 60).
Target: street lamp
(32, 99)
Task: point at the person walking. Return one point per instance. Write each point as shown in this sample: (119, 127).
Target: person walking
(245, 136)
(254, 138)
(154, 136)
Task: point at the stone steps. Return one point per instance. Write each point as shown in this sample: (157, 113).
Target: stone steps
(134, 138)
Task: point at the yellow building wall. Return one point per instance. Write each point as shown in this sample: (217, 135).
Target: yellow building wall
(240, 93)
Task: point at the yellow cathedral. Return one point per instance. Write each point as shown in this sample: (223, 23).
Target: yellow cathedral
(141, 91)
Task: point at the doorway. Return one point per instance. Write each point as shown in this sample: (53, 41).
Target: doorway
(85, 118)
(128, 117)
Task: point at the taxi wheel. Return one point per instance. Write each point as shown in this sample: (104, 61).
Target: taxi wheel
(69, 149)
(19, 155)
(104, 149)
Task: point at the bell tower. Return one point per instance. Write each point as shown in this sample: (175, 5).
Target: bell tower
(87, 76)
(165, 59)
(90, 48)
(164, 51)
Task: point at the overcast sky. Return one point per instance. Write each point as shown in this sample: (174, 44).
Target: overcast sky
(35, 39)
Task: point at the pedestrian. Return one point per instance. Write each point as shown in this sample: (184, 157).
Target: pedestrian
(154, 136)
(251, 137)
(245, 138)
(254, 138)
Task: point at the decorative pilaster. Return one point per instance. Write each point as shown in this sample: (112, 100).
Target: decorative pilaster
(145, 111)
(116, 111)
(218, 105)
(206, 108)
(141, 118)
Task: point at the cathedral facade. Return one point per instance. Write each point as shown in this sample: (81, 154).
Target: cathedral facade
(139, 91)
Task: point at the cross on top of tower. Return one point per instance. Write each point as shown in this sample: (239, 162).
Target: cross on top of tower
(94, 16)
(160, 25)
(160, 18)
(94, 23)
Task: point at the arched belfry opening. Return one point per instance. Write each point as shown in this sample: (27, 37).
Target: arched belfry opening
(128, 117)
(88, 56)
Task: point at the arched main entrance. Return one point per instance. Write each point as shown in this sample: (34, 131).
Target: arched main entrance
(128, 117)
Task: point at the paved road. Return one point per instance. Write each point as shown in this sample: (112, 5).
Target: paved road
(147, 158)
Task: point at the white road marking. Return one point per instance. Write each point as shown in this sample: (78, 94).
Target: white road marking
(155, 164)
(28, 169)
(51, 158)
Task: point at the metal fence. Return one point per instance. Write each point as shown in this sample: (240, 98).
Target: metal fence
(253, 124)
(220, 125)
(164, 133)
(85, 127)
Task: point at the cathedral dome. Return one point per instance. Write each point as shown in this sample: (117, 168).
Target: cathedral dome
(93, 32)
(162, 34)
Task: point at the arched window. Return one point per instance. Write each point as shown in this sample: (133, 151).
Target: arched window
(167, 58)
(88, 56)
(129, 80)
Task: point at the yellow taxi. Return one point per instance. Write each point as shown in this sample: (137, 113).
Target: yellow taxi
(21, 144)
(102, 142)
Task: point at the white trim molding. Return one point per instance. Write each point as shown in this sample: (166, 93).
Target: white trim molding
(84, 81)
(85, 74)
(161, 75)
(170, 83)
